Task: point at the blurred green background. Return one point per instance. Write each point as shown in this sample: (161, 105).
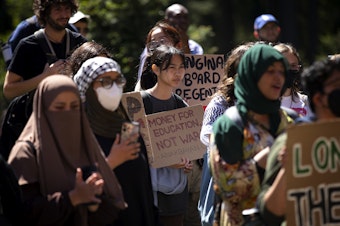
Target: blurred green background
(312, 26)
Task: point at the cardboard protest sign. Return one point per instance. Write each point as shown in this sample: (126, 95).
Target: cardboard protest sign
(201, 78)
(133, 104)
(175, 134)
(313, 175)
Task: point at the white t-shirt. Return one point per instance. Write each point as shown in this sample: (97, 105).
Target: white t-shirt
(300, 104)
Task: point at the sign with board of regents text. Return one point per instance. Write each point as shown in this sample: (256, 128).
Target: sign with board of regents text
(175, 134)
(313, 174)
(202, 76)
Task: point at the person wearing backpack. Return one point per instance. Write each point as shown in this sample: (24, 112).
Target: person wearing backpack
(40, 63)
(242, 136)
(24, 29)
(224, 98)
(36, 57)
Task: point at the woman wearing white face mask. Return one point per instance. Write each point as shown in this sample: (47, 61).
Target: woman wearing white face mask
(100, 83)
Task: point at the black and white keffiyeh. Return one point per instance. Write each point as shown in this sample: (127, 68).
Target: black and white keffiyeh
(90, 70)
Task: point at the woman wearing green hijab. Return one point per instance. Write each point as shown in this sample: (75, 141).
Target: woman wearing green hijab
(241, 139)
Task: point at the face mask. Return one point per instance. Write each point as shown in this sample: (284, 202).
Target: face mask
(292, 77)
(110, 98)
(333, 102)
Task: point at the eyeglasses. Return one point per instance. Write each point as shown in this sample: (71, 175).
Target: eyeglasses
(107, 82)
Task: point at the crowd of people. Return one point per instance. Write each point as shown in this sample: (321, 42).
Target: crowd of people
(70, 166)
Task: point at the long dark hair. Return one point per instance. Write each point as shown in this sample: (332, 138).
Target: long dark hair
(226, 85)
(160, 56)
(288, 48)
(84, 52)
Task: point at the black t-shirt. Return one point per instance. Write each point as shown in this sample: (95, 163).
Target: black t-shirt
(173, 204)
(29, 58)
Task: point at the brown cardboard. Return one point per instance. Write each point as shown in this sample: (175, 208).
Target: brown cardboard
(313, 169)
(201, 78)
(175, 134)
(133, 104)
(154, 138)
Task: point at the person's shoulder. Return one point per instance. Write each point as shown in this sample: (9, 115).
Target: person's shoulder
(195, 47)
(180, 101)
(28, 23)
(145, 94)
(194, 43)
(302, 96)
(224, 123)
(292, 114)
(30, 40)
(77, 36)
(217, 101)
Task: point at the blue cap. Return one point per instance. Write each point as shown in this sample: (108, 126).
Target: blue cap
(262, 20)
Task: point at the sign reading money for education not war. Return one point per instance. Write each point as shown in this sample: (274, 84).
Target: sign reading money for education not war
(313, 172)
(202, 75)
(175, 134)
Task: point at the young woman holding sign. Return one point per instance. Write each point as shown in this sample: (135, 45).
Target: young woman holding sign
(168, 64)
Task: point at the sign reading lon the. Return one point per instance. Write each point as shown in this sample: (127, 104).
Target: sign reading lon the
(201, 78)
(313, 184)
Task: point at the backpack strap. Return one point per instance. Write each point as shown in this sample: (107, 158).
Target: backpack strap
(234, 115)
(47, 47)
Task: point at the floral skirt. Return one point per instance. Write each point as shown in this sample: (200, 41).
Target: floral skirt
(237, 184)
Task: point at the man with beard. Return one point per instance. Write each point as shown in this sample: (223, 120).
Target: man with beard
(24, 29)
(36, 57)
(31, 63)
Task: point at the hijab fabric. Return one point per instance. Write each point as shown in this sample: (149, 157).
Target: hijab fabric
(103, 122)
(90, 70)
(63, 141)
(252, 66)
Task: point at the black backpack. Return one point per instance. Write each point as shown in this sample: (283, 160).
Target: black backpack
(20, 108)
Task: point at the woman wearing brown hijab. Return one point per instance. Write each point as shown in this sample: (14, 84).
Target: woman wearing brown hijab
(47, 160)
